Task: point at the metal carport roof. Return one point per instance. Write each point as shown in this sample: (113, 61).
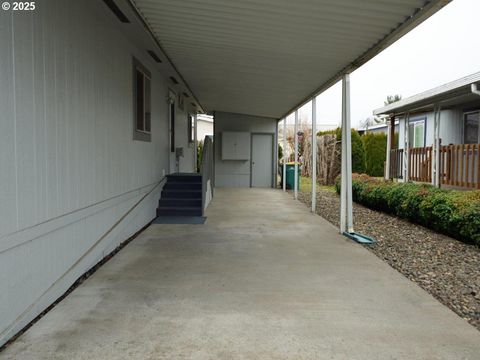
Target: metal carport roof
(267, 57)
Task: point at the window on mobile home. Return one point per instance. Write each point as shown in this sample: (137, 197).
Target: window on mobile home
(471, 127)
(142, 102)
(416, 133)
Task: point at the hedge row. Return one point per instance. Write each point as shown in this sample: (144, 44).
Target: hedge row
(451, 212)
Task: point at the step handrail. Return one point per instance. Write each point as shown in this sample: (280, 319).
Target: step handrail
(206, 169)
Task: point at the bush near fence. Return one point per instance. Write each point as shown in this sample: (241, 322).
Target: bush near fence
(375, 153)
(451, 212)
(358, 151)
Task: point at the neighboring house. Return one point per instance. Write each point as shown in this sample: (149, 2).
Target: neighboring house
(438, 129)
(204, 126)
(376, 129)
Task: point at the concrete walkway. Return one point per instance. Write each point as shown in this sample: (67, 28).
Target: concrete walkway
(262, 279)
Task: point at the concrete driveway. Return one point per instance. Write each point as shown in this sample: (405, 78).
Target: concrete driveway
(262, 279)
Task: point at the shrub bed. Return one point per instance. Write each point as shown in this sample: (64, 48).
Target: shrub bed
(451, 212)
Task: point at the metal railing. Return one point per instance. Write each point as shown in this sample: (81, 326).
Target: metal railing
(207, 171)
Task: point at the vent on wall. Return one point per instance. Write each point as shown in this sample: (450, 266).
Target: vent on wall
(116, 10)
(154, 56)
(175, 81)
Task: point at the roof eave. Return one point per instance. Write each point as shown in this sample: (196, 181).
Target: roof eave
(421, 14)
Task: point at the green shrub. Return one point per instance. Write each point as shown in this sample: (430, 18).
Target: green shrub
(375, 153)
(451, 212)
(358, 152)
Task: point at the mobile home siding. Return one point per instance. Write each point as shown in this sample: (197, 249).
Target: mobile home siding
(72, 180)
(236, 173)
(450, 127)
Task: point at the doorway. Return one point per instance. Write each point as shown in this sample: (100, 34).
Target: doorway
(261, 166)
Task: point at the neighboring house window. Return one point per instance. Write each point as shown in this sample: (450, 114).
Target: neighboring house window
(142, 102)
(416, 133)
(471, 127)
(191, 129)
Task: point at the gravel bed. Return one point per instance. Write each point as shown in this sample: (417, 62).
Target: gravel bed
(446, 268)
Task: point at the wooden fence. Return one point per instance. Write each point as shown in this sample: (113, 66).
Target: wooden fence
(420, 164)
(459, 165)
(396, 163)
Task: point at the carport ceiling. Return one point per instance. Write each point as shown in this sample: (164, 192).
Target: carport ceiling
(265, 57)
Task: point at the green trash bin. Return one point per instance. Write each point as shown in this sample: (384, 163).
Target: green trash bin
(290, 175)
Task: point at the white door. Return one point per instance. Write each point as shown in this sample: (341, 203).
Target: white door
(262, 160)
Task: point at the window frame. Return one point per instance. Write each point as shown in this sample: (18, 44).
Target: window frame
(464, 115)
(172, 115)
(415, 123)
(142, 134)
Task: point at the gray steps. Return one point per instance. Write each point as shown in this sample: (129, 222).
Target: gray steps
(181, 196)
(179, 211)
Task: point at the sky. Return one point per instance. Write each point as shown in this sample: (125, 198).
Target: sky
(443, 48)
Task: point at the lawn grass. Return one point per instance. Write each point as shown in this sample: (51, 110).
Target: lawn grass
(306, 185)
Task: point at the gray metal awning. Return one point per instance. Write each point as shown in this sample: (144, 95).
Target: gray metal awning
(450, 94)
(267, 57)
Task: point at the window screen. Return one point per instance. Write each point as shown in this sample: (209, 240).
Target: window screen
(471, 128)
(416, 134)
(142, 102)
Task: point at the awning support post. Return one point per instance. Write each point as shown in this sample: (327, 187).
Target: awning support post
(314, 154)
(284, 157)
(389, 150)
(295, 181)
(436, 147)
(346, 210)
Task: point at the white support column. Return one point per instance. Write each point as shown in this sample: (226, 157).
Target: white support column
(406, 147)
(436, 147)
(284, 157)
(295, 181)
(195, 139)
(433, 165)
(314, 155)
(438, 154)
(389, 147)
(346, 210)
